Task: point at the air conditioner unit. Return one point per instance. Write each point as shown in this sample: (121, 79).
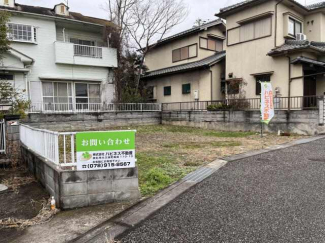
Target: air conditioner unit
(301, 37)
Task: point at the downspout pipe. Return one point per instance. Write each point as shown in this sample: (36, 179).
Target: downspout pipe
(211, 80)
(289, 85)
(276, 23)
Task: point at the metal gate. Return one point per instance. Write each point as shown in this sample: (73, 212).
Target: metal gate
(2, 137)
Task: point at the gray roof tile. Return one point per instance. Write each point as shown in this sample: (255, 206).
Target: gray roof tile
(302, 59)
(188, 66)
(247, 2)
(190, 31)
(293, 45)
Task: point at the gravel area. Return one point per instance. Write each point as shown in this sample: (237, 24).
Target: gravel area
(274, 197)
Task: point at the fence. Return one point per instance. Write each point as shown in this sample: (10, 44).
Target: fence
(56, 147)
(88, 51)
(92, 107)
(280, 103)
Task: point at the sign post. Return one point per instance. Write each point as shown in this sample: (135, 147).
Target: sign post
(267, 104)
(105, 150)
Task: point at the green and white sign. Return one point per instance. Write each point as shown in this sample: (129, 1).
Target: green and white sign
(105, 150)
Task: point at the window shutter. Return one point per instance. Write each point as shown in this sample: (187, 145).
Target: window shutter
(247, 32)
(176, 55)
(184, 53)
(193, 51)
(211, 45)
(204, 43)
(263, 28)
(233, 36)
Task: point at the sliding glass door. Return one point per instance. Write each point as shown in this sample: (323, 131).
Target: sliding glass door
(87, 96)
(57, 96)
(69, 96)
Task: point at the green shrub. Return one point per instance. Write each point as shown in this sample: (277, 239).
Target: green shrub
(155, 180)
(218, 107)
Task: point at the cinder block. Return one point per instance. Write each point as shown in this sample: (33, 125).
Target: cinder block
(12, 129)
(95, 187)
(74, 176)
(100, 175)
(127, 195)
(48, 171)
(13, 137)
(73, 189)
(126, 184)
(101, 198)
(74, 202)
(125, 173)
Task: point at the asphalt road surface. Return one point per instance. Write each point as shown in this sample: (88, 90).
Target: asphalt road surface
(274, 197)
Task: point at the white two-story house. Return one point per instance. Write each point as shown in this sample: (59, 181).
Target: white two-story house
(61, 58)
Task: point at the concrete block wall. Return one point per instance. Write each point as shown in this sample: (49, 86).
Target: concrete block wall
(86, 121)
(304, 122)
(75, 189)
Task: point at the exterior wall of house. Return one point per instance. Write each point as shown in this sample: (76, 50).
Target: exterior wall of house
(64, 33)
(43, 52)
(200, 80)
(249, 58)
(161, 56)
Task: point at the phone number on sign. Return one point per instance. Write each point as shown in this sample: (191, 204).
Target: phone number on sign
(107, 165)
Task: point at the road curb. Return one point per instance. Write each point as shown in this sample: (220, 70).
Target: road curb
(128, 219)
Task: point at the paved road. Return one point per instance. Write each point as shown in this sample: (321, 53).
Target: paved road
(273, 197)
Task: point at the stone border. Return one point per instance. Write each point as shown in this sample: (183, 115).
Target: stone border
(128, 219)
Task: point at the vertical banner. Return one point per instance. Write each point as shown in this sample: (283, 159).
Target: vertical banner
(105, 150)
(267, 105)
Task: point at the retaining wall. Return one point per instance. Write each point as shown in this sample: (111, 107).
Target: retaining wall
(306, 122)
(86, 121)
(75, 189)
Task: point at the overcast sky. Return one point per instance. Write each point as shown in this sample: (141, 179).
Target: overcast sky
(204, 9)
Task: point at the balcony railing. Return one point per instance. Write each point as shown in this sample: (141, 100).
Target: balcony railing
(280, 103)
(74, 54)
(88, 51)
(92, 107)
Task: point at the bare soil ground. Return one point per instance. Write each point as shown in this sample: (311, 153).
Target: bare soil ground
(23, 200)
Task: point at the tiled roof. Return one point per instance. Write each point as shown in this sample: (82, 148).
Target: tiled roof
(190, 31)
(308, 60)
(188, 66)
(247, 2)
(293, 45)
(50, 12)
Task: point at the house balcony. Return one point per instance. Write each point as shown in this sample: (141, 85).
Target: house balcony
(69, 53)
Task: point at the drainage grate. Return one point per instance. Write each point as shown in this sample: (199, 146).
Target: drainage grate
(199, 175)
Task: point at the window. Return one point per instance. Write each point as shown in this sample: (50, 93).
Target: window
(211, 44)
(250, 31)
(82, 42)
(20, 32)
(6, 2)
(87, 95)
(184, 53)
(167, 90)
(261, 78)
(295, 27)
(62, 9)
(7, 77)
(186, 88)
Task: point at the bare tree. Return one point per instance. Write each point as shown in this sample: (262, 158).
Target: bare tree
(149, 21)
(118, 13)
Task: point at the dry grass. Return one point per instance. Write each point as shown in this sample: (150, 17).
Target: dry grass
(43, 216)
(13, 183)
